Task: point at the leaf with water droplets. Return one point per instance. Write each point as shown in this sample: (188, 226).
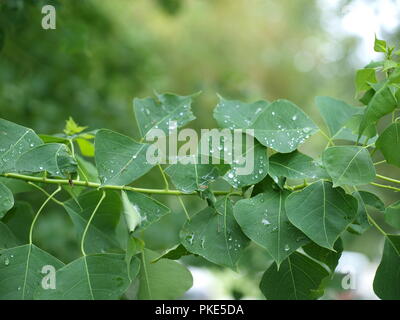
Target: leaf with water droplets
(120, 160)
(14, 140)
(151, 114)
(349, 165)
(321, 212)
(21, 271)
(162, 280)
(283, 126)
(263, 219)
(214, 234)
(234, 114)
(298, 278)
(6, 200)
(295, 165)
(92, 277)
(101, 235)
(53, 158)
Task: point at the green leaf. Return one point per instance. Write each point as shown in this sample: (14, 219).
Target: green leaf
(7, 238)
(151, 114)
(101, 235)
(120, 160)
(298, 278)
(149, 209)
(349, 165)
(328, 257)
(72, 128)
(14, 140)
(283, 126)
(20, 271)
(19, 220)
(192, 177)
(339, 118)
(380, 45)
(387, 277)
(92, 277)
(295, 165)
(163, 280)
(53, 158)
(321, 212)
(392, 215)
(263, 219)
(259, 172)
(16, 185)
(174, 253)
(382, 103)
(215, 235)
(366, 200)
(389, 143)
(6, 200)
(86, 147)
(234, 114)
(363, 79)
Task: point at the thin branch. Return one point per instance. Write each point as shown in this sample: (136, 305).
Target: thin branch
(112, 187)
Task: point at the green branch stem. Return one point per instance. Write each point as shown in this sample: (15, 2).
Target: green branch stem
(388, 179)
(111, 187)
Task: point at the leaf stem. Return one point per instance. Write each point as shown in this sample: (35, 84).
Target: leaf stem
(387, 179)
(46, 193)
(164, 177)
(38, 213)
(184, 207)
(112, 187)
(384, 186)
(89, 222)
(379, 162)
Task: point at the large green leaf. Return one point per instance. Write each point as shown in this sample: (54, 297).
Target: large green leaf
(283, 126)
(349, 165)
(20, 271)
(6, 200)
(92, 277)
(119, 159)
(7, 238)
(234, 114)
(389, 143)
(295, 165)
(382, 103)
(14, 141)
(151, 114)
(19, 220)
(101, 235)
(340, 118)
(366, 201)
(192, 177)
(328, 257)
(259, 172)
(215, 235)
(263, 219)
(162, 280)
(364, 78)
(150, 210)
(321, 212)
(392, 215)
(298, 278)
(53, 158)
(387, 277)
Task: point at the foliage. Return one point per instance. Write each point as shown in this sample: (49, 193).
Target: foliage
(299, 225)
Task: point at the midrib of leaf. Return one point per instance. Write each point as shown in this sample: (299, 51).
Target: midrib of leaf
(324, 215)
(279, 229)
(146, 276)
(288, 168)
(88, 277)
(292, 277)
(225, 234)
(26, 271)
(348, 165)
(128, 163)
(15, 143)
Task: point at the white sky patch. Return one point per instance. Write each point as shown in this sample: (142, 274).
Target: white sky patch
(363, 19)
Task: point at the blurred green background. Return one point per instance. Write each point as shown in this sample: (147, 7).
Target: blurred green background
(104, 53)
